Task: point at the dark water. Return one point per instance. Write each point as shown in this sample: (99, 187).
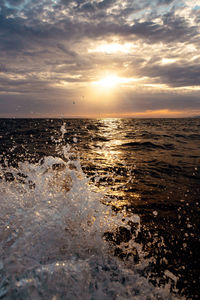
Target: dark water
(99, 209)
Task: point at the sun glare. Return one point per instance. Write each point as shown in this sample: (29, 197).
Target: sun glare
(111, 81)
(108, 81)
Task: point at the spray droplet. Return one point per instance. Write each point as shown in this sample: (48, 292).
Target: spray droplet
(155, 213)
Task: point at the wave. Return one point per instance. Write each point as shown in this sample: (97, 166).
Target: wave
(147, 145)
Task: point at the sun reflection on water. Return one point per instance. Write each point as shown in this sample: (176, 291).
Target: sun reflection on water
(117, 171)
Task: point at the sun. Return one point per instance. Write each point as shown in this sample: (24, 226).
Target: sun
(109, 82)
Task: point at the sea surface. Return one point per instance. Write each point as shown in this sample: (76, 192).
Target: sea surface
(99, 209)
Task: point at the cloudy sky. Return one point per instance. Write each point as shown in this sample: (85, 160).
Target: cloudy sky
(97, 58)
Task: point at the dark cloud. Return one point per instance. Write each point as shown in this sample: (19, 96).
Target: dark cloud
(175, 75)
(173, 29)
(45, 44)
(27, 33)
(105, 4)
(161, 2)
(3, 68)
(66, 50)
(88, 7)
(145, 101)
(14, 2)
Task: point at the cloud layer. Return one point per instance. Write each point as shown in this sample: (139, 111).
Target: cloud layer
(52, 51)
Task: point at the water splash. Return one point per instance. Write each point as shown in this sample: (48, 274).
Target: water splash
(57, 235)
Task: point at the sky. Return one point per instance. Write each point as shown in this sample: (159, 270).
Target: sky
(99, 58)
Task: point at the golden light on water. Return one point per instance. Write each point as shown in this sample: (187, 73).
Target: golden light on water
(111, 154)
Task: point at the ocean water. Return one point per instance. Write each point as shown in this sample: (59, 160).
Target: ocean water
(99, 208)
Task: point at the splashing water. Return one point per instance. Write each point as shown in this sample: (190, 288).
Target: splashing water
(53, 236)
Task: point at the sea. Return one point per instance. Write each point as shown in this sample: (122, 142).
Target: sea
(99, 209)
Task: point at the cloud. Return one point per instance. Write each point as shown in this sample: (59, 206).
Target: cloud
(45, 47)
(175, 75)
(13, 2)
(167, 29)
(66, 51)
(165, 2)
